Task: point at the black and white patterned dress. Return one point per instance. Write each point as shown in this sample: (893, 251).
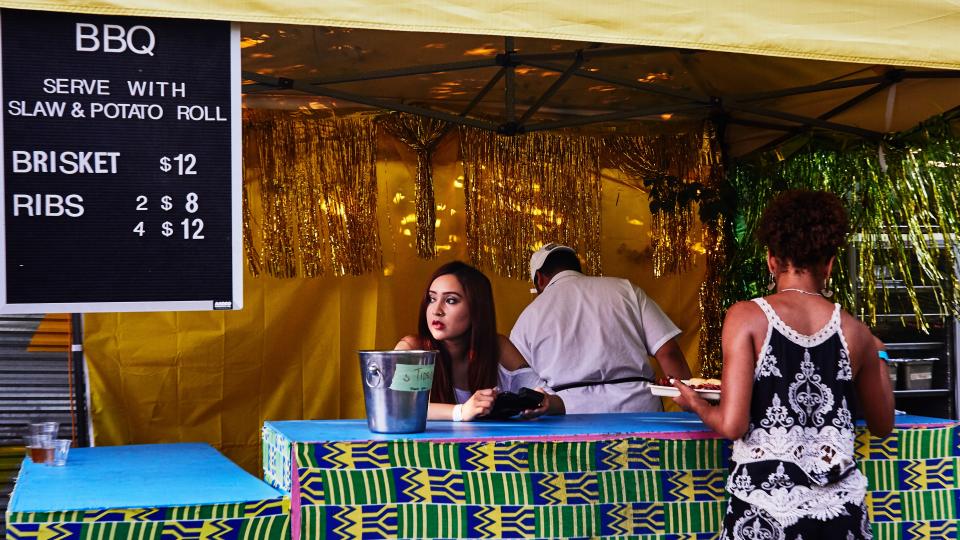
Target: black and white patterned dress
(794, 473)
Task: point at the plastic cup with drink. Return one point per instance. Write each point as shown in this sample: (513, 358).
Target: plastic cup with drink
(40, 442)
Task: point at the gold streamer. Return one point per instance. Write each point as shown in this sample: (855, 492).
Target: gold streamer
(525, 190)
(318, 195)
(665, 167)
(677, 171)
(253, 255)
(716, 242)
(421, 134)
(712, 309)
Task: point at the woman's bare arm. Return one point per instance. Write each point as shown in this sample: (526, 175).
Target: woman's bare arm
(871, 378)
(731, 417)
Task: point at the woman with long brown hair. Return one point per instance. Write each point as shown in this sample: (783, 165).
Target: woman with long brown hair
(457, 318)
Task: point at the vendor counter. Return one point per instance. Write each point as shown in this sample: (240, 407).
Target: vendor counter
(618, 475)
(147, 492)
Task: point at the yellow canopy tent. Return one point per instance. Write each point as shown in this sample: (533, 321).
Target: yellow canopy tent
(291, 352)
(911, 32)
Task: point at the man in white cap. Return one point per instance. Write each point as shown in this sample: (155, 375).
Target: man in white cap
(590, 338)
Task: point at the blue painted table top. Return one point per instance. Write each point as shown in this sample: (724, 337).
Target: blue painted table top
(574, 425)
(142, 476)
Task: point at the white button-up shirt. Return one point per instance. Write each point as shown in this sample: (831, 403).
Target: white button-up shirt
(583, 328)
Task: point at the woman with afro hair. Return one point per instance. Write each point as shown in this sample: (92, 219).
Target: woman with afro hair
(794, 365)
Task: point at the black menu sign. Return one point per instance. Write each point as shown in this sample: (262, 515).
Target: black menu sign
(121, 164)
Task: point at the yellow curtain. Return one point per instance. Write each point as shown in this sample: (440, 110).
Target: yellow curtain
(291, 352)
(889, 32)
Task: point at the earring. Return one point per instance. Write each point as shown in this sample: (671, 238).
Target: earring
(773, 282)
(825, 291)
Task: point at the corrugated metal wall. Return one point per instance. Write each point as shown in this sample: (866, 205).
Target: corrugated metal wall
(36, 384)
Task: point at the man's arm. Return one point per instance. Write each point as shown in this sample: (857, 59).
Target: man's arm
(671, 360)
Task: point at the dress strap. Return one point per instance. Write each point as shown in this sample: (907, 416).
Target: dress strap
(804, 340)
(767, 309)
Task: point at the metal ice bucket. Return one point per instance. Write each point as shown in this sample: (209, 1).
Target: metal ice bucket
(396, 389)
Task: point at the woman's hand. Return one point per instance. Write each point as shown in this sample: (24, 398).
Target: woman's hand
(479, 404)
(688, 400)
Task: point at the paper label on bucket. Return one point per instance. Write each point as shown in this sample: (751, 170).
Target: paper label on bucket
(412, 378)
(922, 376)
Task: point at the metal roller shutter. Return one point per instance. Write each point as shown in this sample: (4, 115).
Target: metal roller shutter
(37, 383)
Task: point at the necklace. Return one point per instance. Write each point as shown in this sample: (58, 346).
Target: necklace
(799, 291)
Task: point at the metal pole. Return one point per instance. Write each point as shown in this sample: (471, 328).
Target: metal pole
(78, 367)
(574, 66)
(510, 90)
(651, 88)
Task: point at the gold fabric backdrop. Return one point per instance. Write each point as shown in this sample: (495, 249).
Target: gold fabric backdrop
(291, 352)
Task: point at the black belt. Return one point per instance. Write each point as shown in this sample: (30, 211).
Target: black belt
(568, 386)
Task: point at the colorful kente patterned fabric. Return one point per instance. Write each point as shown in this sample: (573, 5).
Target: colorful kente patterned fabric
(622, 487)
(276, 459)
(259, 520)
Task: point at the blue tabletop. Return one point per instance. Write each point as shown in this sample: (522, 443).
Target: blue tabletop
(573, 425)
(143, 476)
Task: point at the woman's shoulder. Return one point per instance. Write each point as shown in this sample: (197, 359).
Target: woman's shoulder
(745, 310)
(510, 357)
(854, 328)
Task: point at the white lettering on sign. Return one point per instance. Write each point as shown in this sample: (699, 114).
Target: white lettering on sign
(157, 88)
(37, 108)
(200, 113)
(47, 204)
(137, 39)
(126, 111)
(100, 87)
(42, 161)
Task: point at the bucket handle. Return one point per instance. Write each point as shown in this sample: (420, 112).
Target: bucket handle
(373, 377)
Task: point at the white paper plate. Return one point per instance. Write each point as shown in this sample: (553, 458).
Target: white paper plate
(671, 391)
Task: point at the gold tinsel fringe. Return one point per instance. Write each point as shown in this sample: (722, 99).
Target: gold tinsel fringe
(252, 255)
(712, 308)
(315, 182)
(527, 190)
(664, 166)
(716, 242)
(421, 134)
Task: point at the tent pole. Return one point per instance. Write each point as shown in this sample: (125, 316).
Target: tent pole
(483, 92)
(760, 124)
(830, 114)
(476, 99)
(805, 120)
(373, 102)
(597, 118)
(80, 397)
(407, 71)
(649, 88)
(577, 62)
(931, 74)
(510, 87)
(594, 51)
(819, 87)
(897, 74)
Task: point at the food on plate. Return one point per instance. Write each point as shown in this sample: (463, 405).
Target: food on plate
(696, 383)
(703, 384)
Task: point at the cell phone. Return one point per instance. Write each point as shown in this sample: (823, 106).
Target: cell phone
(509, 404)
